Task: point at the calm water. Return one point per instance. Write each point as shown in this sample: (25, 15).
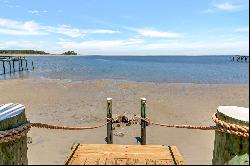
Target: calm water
(171, 69)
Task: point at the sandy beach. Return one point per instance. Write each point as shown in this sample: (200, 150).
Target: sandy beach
(83, 103)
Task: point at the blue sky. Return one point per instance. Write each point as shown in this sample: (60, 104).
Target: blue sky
(126, 27)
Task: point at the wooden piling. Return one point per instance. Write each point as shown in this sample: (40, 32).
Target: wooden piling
(13, 152)
(109, 125)
(26, 65)
(231, 149)
(9, 66)
(240, 58)
(13, 65)
(21, 64)
(32, 63)
(4, 71)
(143, 123)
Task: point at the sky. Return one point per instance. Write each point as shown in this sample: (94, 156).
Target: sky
(126, 27)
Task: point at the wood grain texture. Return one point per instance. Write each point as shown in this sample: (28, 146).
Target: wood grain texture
(112, 154)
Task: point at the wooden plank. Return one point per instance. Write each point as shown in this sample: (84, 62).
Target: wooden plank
(177, 156)
(141, 161)
(72, 154)
(110, 154)
(121, 161)
(164, 162)
(110, 161)
(102, 161)
(91, 161)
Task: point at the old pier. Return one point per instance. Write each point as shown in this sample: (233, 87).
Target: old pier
(240, 58)
(21, 60)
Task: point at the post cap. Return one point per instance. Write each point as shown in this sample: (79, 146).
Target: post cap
(143, 100)
(239, 113)
(109, 99)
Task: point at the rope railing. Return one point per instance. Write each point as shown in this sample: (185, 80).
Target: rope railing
(18, 132)
(222, 126)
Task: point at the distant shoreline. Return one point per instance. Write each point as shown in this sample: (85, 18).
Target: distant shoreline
(35, 55)
(105, 55)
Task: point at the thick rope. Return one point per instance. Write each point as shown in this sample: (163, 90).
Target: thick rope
(222, 126)
(47, 126)
(21, 131)
(234, 129)
(15, 133)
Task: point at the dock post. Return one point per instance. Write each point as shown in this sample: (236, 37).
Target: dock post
(13, 65)
(13, 151)
(22, 64)
(19, 65)
(109, 125)
(32, 63)
(9, 66)
(143, 123)
(26, 65)
(4, 67)
(231, 149)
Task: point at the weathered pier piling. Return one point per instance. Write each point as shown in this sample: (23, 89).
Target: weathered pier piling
(11, 61)
(231, 149)
(240, 58)
(13, 148)
(109, 125)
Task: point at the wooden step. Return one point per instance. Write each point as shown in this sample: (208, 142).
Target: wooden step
(113, 154)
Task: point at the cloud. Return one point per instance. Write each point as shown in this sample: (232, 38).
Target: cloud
(242, 29)
(197, 46)
(226, 7)
(9, 5)
(99, 44)
(134, 46)
(149, 32)
(12, 27)
(155, 33)
(22, 45)
(37, 12)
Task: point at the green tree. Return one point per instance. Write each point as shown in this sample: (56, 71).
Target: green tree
(70, 53)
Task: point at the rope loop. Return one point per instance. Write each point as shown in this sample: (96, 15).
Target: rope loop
(14, 133)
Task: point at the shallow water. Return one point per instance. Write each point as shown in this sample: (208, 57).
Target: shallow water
(170, 69)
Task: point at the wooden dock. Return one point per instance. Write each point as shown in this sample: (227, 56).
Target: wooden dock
(22, 63)
(113, 154)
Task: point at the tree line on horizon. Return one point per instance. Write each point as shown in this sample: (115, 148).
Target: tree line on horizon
(32, 52)
(22, 52)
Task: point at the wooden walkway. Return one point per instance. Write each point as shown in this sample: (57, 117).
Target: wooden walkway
(112, 154)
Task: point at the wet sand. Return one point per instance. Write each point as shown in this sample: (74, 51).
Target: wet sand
(63, 102)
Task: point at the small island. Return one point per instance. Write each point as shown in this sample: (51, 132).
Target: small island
(70, 53)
